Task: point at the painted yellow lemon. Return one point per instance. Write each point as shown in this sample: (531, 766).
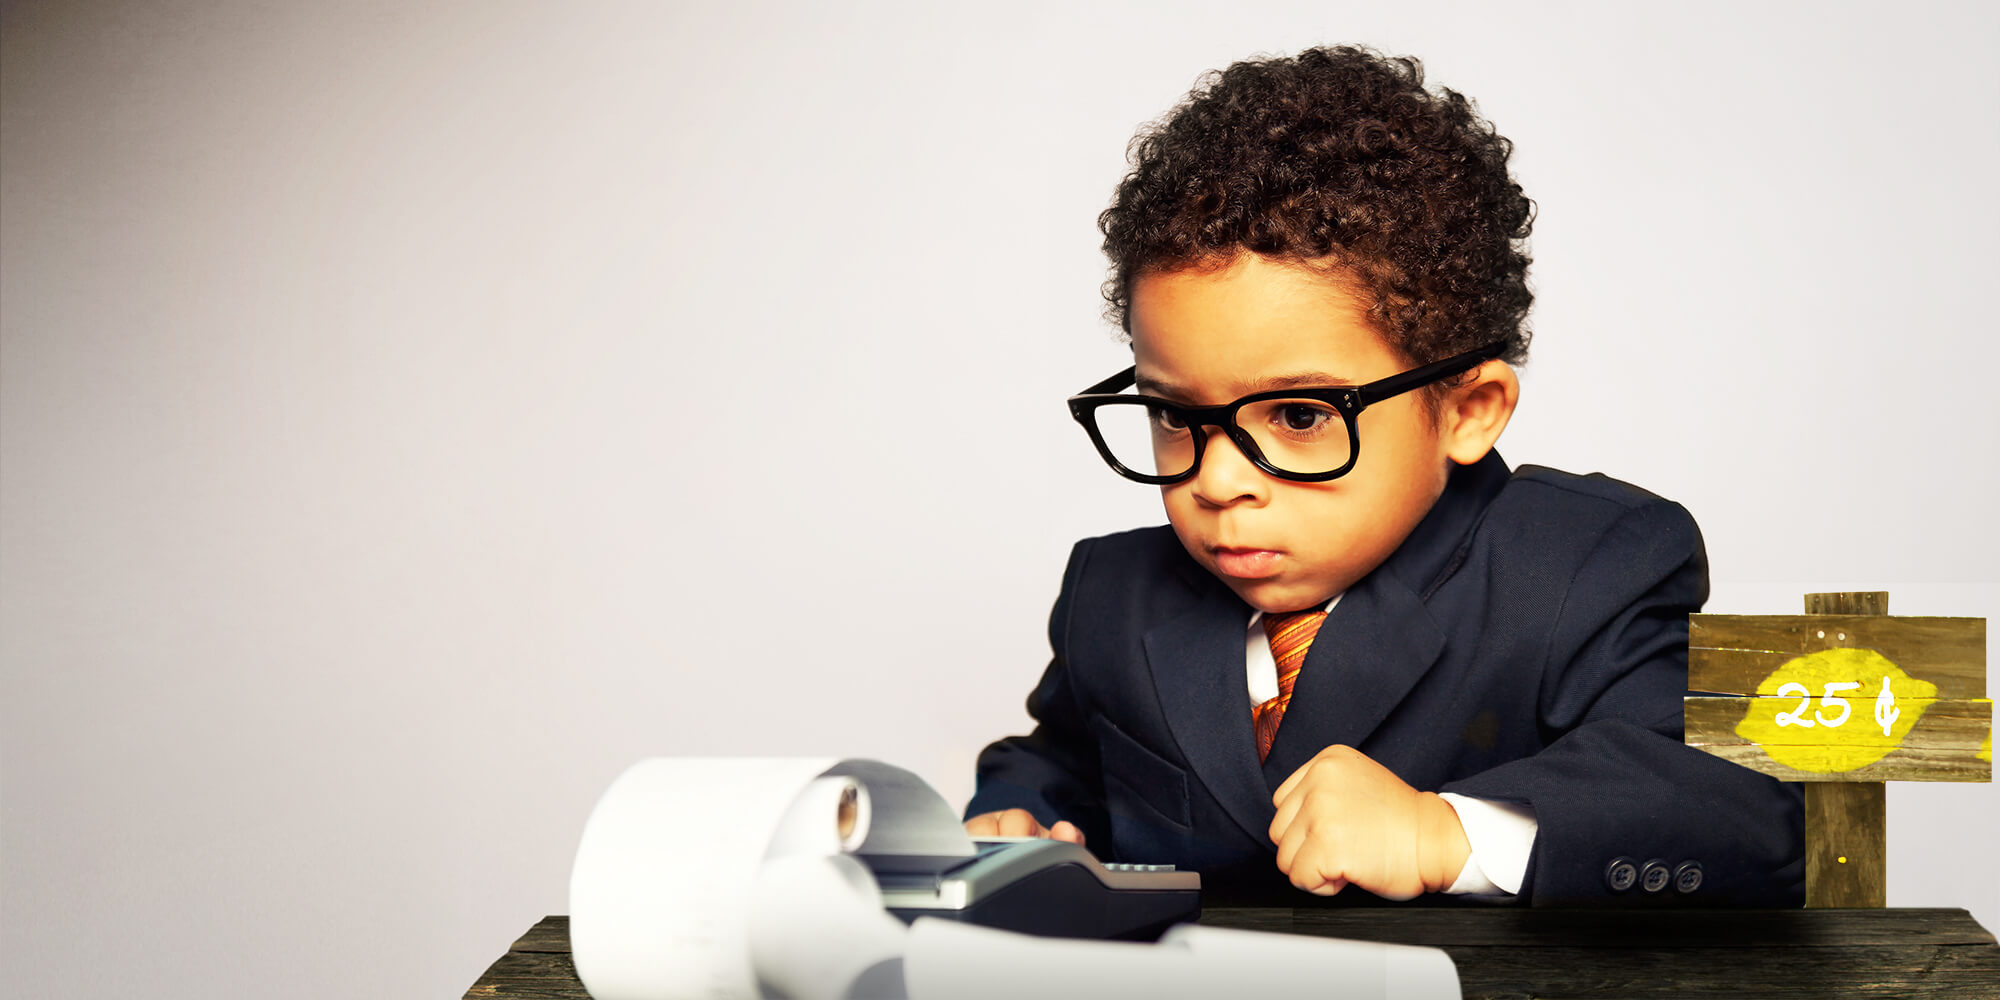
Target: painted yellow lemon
(1835, 710)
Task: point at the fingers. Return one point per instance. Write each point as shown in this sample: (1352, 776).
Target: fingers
(1305, 862)
(1020, 823)
(1330, 887)
(1288, 850)
(1288, 810)
(1005, 823)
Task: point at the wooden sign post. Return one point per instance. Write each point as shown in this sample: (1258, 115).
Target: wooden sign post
(1843, 697)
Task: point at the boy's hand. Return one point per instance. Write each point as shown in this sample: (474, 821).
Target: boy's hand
(1344, 818)
(1020, 823)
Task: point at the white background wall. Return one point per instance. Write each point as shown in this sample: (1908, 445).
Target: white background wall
(414, 414)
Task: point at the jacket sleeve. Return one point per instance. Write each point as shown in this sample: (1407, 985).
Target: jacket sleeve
(1053, 771)
(1614, 780)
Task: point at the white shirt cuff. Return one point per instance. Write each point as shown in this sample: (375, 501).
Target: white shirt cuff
(1502, 836)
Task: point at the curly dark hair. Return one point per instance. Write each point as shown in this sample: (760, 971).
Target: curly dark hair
(1338, 160)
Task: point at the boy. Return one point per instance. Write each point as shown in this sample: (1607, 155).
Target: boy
(1364, 659)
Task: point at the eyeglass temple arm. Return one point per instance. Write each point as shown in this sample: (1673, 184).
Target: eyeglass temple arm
(1396, 385)
(1116, 383)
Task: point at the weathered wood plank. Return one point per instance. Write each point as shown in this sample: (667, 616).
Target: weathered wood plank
(1847, 854)
(1899, 765)
(1943, 747)
(533, 966)
(549, 934)
(1731, 654)
(1960, 723)
(1947, 972)
(1626, 952)
(1847, 823)
(1627, 926)
(1848, 602)
(1955, 724)
(1945, 744)
(530, 974)
(1739, 671)
(1691, 927)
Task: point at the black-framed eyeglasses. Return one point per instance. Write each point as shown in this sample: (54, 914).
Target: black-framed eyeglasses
(1304, 435)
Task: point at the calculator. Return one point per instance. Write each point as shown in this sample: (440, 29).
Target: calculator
(1037, 885)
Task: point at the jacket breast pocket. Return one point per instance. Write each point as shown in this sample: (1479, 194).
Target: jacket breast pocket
(1140, 787)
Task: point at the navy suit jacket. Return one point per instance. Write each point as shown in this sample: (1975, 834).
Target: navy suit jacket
(1527, 644)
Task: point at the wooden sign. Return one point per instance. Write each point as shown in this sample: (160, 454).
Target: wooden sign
(1842, 697)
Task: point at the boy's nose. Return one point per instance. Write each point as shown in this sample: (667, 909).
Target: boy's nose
(1226, 474)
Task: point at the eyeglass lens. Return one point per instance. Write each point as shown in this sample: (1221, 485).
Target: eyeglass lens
(1303, 436)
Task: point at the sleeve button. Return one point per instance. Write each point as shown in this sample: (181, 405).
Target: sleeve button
(1620, 874)
(1655, 875)
(1687, 876)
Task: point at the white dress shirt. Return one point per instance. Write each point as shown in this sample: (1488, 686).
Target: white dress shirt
(1501, 833)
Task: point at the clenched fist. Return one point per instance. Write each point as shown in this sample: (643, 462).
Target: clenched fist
(1342, 818)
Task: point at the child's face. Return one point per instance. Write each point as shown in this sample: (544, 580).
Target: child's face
(1208, 338)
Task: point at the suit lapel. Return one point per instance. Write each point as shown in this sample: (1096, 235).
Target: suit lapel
(1196, 657)
(1374, 647)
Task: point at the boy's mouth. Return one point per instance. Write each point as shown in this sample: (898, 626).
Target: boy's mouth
(1246, 564)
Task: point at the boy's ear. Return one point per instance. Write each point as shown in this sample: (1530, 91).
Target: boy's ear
(1474, 414)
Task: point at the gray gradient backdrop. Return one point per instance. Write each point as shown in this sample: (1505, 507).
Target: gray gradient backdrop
(414, 414)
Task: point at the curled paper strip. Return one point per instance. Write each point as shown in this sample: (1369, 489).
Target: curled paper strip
(818, 931)
(964, 962)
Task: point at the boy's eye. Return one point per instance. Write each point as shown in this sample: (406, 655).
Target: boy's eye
(1166, 419)
(1304, 417)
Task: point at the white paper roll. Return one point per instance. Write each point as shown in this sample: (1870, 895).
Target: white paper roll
(659, 895)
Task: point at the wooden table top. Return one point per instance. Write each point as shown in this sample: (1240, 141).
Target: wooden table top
(1549, 953)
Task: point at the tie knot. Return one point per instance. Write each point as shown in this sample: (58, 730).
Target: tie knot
(1292, 632)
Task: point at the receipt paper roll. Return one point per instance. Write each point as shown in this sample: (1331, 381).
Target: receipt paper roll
(666, 873)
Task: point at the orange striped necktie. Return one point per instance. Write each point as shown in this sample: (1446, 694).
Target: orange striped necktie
(1290, 635)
